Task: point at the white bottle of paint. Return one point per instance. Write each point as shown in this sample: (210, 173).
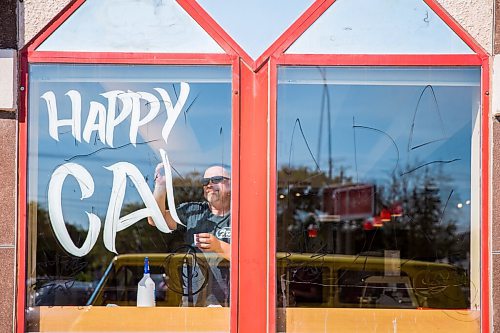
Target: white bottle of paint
(146, 288)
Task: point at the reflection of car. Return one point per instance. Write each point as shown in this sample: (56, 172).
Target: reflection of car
(304, 280)
(307, 280)
(119, 284)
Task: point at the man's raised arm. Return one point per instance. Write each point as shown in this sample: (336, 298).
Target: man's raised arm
(160, 195)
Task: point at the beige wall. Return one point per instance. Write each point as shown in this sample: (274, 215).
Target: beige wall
(34, 15)
(7, 218)
(475, 16)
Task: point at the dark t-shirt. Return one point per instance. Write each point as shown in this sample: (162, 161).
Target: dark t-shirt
(206, 282)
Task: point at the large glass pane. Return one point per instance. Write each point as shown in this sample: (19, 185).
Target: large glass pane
(254, 25)
(128, 162)
(131, 26)
(377, 196)
(355, 27)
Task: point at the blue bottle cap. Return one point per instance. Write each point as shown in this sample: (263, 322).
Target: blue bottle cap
(146, 265)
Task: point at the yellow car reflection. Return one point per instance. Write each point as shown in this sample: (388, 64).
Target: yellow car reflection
(304, 280)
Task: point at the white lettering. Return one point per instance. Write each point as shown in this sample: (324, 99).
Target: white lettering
(86, 183)
(169, 187)
(104, 121)
(113, 120)
(74, 122)
(135, 121)
(173, 112)
(114, 223)
(96, 109)
(111, 117)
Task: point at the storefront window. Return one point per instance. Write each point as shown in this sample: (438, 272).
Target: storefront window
(111, 148)
(377, 191)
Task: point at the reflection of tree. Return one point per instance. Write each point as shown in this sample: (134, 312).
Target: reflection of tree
(426, 228)
(188, 188)
(57, 272)
(303, 176)
(53, 263)
(299, 198)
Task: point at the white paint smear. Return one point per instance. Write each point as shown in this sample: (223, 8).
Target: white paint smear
(104, 121)
(86, 183)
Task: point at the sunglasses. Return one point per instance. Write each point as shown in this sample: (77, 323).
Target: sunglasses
(213, 180)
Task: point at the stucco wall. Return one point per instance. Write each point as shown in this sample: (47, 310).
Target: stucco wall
(7, 219)
(36, 14)
(475, 16)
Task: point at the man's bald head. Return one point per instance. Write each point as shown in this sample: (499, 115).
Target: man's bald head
(217, 190)
(217, 170)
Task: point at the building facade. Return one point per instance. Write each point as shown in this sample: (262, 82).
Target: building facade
(348, 161)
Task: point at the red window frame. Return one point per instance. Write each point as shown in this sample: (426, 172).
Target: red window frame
(29, 55)
(277, 56)
(254, 101)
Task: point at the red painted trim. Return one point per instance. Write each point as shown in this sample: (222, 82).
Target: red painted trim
(103, 58)
(251, 252)
(22, 197)
(447, 18)
(53, 25)
(190, 6)
(285, 59)
(378, 60)
(481, 58)
(485, 159)
(273, 181)
(319, 7)
(214, 29)
(253, 269)
(294, 31)
(485, 198)
(235, 192)
(130, 58)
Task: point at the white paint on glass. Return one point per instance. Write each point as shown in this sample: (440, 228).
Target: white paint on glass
(54, 122)
(169, 186)
(104, 120)
(86, 183)
(379, 27)
(114, 223)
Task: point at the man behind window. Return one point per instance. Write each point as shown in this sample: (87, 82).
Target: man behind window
(208, 230)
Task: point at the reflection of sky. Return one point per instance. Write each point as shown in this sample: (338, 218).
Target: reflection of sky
(379, 27)
(201, 135)
(130, 26)
(347, 27)
(254, 24)
(382, 112)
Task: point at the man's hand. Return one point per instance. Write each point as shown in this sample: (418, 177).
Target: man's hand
(160, 179)
(160, 195)
(209, 243)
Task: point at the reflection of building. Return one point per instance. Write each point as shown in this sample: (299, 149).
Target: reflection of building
(374, 71)
(335, 213)
(348, 202)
